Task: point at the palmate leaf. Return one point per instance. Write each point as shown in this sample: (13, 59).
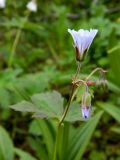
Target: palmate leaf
(43, 105)
(25, 106)
(49, 102)
(49, 105)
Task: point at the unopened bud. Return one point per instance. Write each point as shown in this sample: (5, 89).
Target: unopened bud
(102, 83)
(86, 105)
(86, 111)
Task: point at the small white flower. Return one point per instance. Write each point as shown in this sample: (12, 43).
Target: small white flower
(2, 3)
(32, 6)
(82, 41)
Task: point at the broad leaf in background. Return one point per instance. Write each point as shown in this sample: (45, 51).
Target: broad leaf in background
(32, 83)
(43, 105)
(43, 144)
(80, 139)
(115, 129)
(6, 145)
(23, 155)
(34, 129)
(48, 133)
(25, 106)
(50, 103)
(111, 109)
(74, 113)
(114, 59)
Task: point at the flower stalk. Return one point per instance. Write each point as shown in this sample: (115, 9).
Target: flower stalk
(82, 42)
(65, 112)
(15, 43)
(94, 71)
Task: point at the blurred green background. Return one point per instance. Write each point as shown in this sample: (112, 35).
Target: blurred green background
(44, 60)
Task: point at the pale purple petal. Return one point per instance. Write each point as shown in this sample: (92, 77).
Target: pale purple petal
(86, 111)
(83, 38)
(76, 38)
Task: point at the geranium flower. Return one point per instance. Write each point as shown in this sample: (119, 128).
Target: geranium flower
(32, 6)
(82, 41)
(86, 112)
(2, 3)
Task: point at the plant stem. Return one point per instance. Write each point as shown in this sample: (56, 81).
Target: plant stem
(65, 113)
(95, 70)
(16, 42)
(68, 106)
(78, 69)
(83, 82)
(72, 93)
(14, 48)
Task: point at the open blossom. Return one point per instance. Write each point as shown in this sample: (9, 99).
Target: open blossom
(82, 41)
(32, 6)
(2, 3)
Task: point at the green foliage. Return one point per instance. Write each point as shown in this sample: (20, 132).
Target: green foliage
(23, 155)
(44, 105)
(49, 105)
(44, 60)
(78, 144)
(114, 53)
(111, 109)
(6, 145)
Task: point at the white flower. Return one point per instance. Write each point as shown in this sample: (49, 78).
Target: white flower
(82, 41)
(2, 3)
(32, 6)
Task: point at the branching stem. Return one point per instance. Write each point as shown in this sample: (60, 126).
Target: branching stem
(65, 111)
(94, 71)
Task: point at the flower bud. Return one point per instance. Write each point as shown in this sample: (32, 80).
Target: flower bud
(86, 105)
(102, 83)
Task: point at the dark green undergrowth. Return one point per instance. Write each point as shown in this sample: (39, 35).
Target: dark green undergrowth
(42, 68)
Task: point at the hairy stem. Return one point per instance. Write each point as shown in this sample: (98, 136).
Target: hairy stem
(68, 106)
(65, 112)
(78, 69)
(71, 96)
(94, 71)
